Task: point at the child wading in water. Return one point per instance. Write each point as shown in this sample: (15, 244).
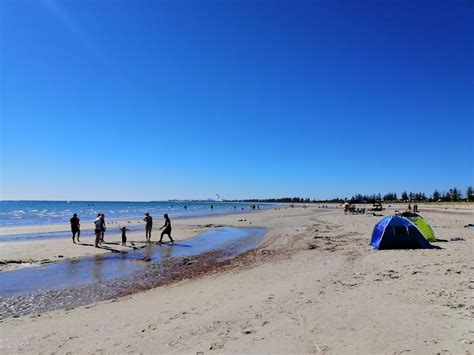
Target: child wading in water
(167, 230)
(124, 236)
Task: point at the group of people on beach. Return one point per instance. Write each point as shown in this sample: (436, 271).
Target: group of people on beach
(149, 226)
(415, 208)
(100, 227)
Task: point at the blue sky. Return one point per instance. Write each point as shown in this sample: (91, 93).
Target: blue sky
(146, 100)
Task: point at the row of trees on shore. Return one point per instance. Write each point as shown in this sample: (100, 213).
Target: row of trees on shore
(452, 195)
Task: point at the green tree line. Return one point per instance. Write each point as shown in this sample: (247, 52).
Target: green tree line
(452, 195)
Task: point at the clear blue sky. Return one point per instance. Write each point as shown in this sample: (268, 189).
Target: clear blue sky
(145, 100)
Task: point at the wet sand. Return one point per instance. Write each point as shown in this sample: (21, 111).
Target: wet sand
(18, 254)
(313, 286)
(78, 282)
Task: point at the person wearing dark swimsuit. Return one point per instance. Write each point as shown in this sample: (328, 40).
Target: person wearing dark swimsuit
(97, 230)
(75, 228)
(124, 235)
(103, 227)
(167, 230)
(148, 226)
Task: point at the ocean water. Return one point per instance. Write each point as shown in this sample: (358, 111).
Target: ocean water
(28, 213)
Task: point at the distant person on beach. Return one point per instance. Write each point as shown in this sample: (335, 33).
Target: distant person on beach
(124, 235)
(167, 231)
(97, 231)
(415, 208)
(148, 226)
(346, 207)
(409, 207)
(103, 228)
(75, 228)
(212, 207)
(100, 228)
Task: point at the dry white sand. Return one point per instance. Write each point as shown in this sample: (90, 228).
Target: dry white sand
(313, 286)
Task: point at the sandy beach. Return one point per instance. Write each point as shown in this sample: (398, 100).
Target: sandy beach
(314, 285)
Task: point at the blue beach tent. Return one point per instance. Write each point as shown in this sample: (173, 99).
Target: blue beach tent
(394, 232)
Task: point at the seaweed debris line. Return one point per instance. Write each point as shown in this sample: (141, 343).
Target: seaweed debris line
(78, 282)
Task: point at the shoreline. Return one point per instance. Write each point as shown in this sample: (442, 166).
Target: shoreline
(35, 252)
(65, 227)
(446, 207)
(15, 254)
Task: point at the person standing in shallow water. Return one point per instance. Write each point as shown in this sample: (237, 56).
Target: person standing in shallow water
(97, 230)
(167, 230)
(75, 228)
(148, 226)
(103, 227)
(124, 235)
